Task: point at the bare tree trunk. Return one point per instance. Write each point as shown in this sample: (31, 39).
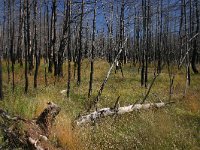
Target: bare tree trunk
(1, 78)
(180, 32)
(96, 100)
(75, 53)
(54, 38)
(46, 25)
(194, 53)
(144, 14)
(19, 42)
(26, 40)
(30, 50)
(1, 53)
(51, 51)
(9, 39)
(63, 43)
(86, 46)
(92, 53)
(147, 42)
(103, 112)
(11, 42)
(80, 45)
(186, 49)
(39, 54)
(160, 37)
(109, 23)
(123, 54)
(69, 48)
(35, 45)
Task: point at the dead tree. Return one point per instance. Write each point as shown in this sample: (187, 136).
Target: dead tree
(37, 57)
(46, 29)
(69, 48)
(92, 53)
(109, 23)
(26, 39)
(51, 50)
(29, 44)
(160, 18)
(148, 38)
(80, 45)
(194, 53)
(123, 57)
(19, 41)
(186, 47)
(63, 43)
(96, 100)
(103, 112)
(12, 33)
(54, 19)
(40, 33)
(144, 50)
(1, 53)
(8, 37)
(1, 79)
(35, 132)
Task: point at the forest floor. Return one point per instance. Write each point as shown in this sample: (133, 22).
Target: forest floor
(176, 126)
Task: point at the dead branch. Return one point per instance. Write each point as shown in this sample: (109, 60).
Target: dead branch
(149, 89)
(188, 50)
(107, 76)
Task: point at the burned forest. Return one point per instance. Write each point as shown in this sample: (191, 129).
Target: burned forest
(99, 74)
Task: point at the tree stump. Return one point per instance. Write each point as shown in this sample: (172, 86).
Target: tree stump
(29, 134)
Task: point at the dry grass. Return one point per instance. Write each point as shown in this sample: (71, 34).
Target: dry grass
(175, 127)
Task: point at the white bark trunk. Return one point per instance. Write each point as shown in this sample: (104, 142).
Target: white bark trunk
(121, 110)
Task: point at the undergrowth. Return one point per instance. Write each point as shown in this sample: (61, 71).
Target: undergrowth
(173, 127)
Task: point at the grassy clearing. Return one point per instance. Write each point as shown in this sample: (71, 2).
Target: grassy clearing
(175, 127)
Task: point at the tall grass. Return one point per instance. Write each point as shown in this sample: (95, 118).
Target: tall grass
(174, 127)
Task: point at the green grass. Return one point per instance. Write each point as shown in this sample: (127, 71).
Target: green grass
(174, 127)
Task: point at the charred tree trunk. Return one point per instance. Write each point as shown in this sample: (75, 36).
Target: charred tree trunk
(30, 50)
(36, 45)
(12, 30)
(1, 78)
(69, 48)
(144, 41)
(1, 54)
(19, 42)
(26, 40)
(92, 53)
(46, 25)
(80, 45)
(63, 43)
(54, 38)
(147, 42)
(51, 51)
(9, 39)
(123, 54)
(194, 53)
(160, 37)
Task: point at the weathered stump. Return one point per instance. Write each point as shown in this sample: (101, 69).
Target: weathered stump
(29, 134)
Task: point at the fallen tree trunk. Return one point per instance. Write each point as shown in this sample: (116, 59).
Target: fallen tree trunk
(120, 110)
(29, 134)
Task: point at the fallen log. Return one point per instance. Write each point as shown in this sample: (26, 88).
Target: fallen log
(29, 134)
(120, 110)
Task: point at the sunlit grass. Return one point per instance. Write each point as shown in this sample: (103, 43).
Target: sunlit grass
(174, 127)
